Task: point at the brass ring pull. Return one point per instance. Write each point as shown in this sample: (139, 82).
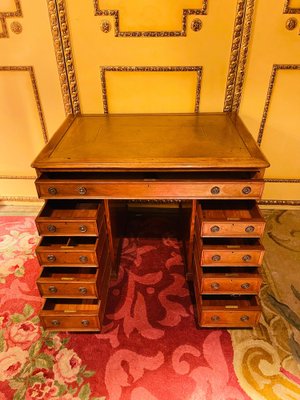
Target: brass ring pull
(82, 290)
(247, 257)
(83, 259)
(51, 258)
(52, 289)
(55, 322)
(215, 190)
(249, 229)
(83, 228)
(51, 228)
(215, 285)
(216, 257)
(85, 322)
(82, 190)
(215, 228)
(246, 190)
(244, 318)
(52, 190)
(245, 285)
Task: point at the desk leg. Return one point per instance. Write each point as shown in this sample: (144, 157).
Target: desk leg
(190, 244)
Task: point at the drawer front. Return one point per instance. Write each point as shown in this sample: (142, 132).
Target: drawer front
(68, 289)
(83, 228)
(232, 229)
(228, 318)
(234, 285)
(54, 322)
(67, 258)
(51, 189)
(232, 257)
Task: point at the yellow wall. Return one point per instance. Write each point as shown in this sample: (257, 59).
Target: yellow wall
(55, 59)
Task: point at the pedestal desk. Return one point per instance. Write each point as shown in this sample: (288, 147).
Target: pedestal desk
(207, 164)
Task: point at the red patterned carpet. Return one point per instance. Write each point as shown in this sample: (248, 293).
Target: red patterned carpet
(150, 348)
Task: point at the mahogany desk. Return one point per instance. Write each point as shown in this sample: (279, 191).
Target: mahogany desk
(94, 164)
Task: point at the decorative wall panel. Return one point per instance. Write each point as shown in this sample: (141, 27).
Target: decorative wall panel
(10, 9)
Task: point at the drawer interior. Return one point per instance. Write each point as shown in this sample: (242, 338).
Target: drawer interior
(70, 209)
(65, 243)
(71, 305)
(231, 243)
(230, 272)
(230, 210)
(68, 274)
(229, 301)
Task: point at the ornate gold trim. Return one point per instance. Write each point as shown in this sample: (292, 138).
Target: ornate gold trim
(16, 177)
(276, 67)
(281, 180)
(182, 32)
(239, 53)
(30, 70)
(10, 14)
(103, 70)
(64, 57)
(289, 10)
(20, 198)
(16, 27)
(279, 202)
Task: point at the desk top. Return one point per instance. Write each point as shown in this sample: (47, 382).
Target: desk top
(151, 142)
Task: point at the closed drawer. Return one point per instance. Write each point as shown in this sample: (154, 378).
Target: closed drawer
(58, 282)
(232, 252)
(230, 219)
(71, 315)
(70, 218)
(228, 311)
(231, 280)
(75, 251)
(148, 188)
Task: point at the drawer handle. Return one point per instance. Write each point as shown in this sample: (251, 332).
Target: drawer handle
(51, 228)
(52, 190)
(249, 229)
(245, 285)
(83, 259)
(216, 257)
(85, 322)
(244, 318)
(247, 257)
(215, 318)
(82, 190)
(51, 258)
(215, 228)
(52, 289)
(246, 190)
(82, 290)
(215, 285)
(215, 190)
(83, 228)
(55, 322)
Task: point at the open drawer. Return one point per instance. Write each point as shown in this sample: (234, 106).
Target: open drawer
(230, 219)
(70, 217)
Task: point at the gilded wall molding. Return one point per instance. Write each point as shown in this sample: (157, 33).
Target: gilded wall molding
(287, 9)
(276, 67)
(64, 56)
(279, 202)
(20, 198)
(30, 70)
(9, 14)
(103, 71)
(239, 53)
(281, 180)
(17, 177)
(115, 13)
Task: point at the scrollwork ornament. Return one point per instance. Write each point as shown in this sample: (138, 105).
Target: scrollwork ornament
(16, 27)
(291, 24)
(196, 25)
(105, 26)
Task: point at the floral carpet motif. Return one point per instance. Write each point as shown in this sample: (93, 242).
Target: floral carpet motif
(150, 348)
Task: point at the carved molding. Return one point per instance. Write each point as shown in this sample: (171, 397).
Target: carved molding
(103, 71)
(279, 202)
(30, 70)
(281, 180)
(16, 177)
(64, 57)
(20, 198)
(239, 53)
(118, 33)
(276, 67)
(287, 9)
(9, 14)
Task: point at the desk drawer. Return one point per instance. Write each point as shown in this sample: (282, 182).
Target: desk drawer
(64, 251)
(148, 188)
(70, 218)
(233, 280)
(226, 252)
(227, 311)
(230, 219)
